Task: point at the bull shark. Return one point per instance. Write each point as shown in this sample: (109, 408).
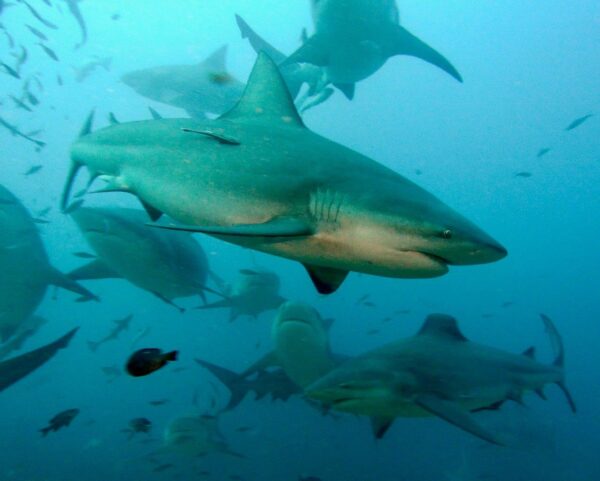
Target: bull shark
(354, 38)
(25, 271)
(199, 89)
(120, 325)
(438, 372)
(169, 266)
(254, 292)
(16, 368)
(258, 178)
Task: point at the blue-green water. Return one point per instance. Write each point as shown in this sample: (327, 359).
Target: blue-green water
(529, 70)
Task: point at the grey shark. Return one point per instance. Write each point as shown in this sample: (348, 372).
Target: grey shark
(354, 38)
(16, 368)
(166, 265)
(254, 292)
(258, 178)
(438, 372)
(199, 89)
(25, 271)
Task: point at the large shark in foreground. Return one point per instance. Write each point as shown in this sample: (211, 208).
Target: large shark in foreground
(354, 38)
(170, 265)
(16, 368)
(25, 271)
(438, 372)
(204, 88)
(257, 177)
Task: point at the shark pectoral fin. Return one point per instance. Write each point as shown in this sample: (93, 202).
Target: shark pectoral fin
(152, 212)
(278, 227)
(454, 414)
(312, 51)
(380, 426)
(59, 279)
(326, 279)
(405, 43)
(95, 269)
(346, 89)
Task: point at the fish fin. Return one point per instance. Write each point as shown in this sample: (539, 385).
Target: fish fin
(218, 136)
(570, 400)
(232, 381)
(257, 42)
(112, 119)
(266, 97)
(541, 394)
(529, 352)
(155, 114)
(455, 415)
(59, 279)
(312, 51)
(346, 89)
(168, 301)
(278, 227)
(217, 59)
(152, 212)
(405, 43)
(441, 326)
(326, 279)
(380, 426)
(172, 356)
(95, 269)
(492, 407)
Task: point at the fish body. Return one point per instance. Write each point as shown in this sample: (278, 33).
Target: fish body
(61, 420)
(147, 361)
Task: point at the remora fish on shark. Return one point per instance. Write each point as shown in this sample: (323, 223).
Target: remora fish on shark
(169, 266)
(257, 177)
(438, 372)
(354, 38)
(25, 271)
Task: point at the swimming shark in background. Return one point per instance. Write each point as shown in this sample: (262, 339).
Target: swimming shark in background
(438, 372)
(25, 270)
(354, 38)
(120, 325)
(168, 266)
(258, 178)
(204, 88)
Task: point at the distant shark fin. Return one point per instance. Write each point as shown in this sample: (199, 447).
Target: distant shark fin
(442, 326)
(380, 426)
(257, 42)
(311, 51)
(266, 98)
(454, 414)
(217, 59)
(278, 227)
(405, 43)
(326, 279)
(346, 89)
(95, 269)
(59, 279)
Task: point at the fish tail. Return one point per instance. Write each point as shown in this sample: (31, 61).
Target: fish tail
(45, 431)
(172, 356)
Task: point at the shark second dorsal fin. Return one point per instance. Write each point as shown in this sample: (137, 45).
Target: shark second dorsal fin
(216, 60)
(266, 98)
(442, 326)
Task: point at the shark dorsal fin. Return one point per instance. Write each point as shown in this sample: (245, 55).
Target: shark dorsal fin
(266, 98)
(442, 326)
(216, 60)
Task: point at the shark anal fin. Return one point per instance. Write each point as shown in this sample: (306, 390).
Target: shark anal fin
(454, 414)
(346, 89)
(95, 269)
(59, 279)
(152, 212)
(405, 43)
(311, 51)
(278, 227)
(326, 279)
(218, 136)
(380, 426)
(530, 352)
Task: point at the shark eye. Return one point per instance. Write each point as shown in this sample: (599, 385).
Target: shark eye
(447, 234)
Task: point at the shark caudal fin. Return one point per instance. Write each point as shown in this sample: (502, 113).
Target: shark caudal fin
(559, 360)
(234, 382)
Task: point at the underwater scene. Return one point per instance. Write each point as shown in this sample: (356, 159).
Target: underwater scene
(308, 240)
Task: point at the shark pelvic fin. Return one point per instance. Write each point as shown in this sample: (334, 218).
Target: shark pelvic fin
(405, 43)
(346, 89)
(95, 269)
(326, 279)
(454, 414)
(380, 426)
(152, 212)
(278, 227)
(266, 98)
(441, 326)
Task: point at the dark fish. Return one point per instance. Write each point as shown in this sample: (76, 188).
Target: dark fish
(49, 52)
(577, 122)
(507, 303)
(10, 71)
(146, 361)
(16, 368)
(59, 80)
(139, 425)
(11, 128)
(543, 152)
(61, 420)
(33, 169)
(20, 104)
(39, 17)
(74, 9)
(523, 174)
(33, 100)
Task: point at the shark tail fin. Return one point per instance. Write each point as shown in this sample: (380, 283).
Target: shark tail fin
(234, 382)
(559, 360)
